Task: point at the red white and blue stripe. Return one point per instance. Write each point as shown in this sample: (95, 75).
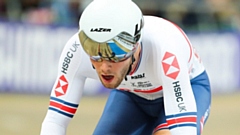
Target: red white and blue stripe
(181, 120)
(63, 107)
(160, 127)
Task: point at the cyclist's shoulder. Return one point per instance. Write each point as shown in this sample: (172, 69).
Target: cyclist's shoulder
(158, 22)
(73, 39)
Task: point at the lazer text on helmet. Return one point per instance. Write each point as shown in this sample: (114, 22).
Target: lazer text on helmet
(100, 30)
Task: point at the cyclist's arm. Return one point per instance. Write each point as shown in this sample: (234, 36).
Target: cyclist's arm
(66, 92)
(179, 101)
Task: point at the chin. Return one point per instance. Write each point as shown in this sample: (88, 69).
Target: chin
(110, 86)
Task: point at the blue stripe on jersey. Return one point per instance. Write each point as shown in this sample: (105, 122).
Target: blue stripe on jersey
(182, 125)
(64, 102)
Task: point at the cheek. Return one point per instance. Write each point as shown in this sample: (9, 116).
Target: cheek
(123, 66)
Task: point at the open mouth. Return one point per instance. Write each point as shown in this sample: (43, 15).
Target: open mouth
(107, 77)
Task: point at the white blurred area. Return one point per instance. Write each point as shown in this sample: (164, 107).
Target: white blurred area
(92, 87)
(33, 33)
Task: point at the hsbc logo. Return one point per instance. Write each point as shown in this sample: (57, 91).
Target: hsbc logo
(61, 87)
(170, 65)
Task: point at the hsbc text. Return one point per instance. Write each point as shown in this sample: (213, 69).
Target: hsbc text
(68, 58)
(178, 95)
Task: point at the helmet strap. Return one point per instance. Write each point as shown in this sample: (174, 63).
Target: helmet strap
(130, 67)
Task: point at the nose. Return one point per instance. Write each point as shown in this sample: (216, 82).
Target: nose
(106, 65)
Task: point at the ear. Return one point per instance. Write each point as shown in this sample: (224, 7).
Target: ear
(130, 67)
(133, 59)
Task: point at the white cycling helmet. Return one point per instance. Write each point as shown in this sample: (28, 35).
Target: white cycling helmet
(110, 29)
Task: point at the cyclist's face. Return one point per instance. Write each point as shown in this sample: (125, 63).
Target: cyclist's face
(111, 74)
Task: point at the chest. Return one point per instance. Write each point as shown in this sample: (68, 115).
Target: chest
(140, 81)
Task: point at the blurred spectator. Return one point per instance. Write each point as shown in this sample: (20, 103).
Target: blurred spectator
(57, 12)
(191, 15)
(66, 12)
(176, 11)
(36, 12)
(3, 9)
(42, 16)
(226, 13)
(13, 8)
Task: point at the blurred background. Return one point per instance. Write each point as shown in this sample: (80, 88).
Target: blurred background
(33, 33)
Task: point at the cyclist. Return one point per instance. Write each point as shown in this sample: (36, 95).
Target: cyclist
(159, 84)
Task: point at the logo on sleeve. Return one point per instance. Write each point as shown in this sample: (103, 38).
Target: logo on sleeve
(62, 86)
(170, 65)
(68, 58)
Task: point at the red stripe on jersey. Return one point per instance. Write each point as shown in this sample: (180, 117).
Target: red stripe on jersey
(150, 91)
(185, 36)
(62, 107)
(161, 126)
(182, 120)
(201, 124)
(124, 89)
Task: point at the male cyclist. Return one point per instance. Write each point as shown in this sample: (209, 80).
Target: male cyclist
(159, 84)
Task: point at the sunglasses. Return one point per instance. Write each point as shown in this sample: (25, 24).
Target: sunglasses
(119, 49)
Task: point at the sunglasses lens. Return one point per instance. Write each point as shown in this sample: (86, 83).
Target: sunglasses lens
(118, 49)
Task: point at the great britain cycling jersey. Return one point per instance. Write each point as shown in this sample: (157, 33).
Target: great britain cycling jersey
(167, 63)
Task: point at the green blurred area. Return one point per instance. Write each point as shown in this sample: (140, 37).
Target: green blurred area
(23, 114)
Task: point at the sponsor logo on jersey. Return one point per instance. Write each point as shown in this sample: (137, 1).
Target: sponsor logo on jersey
(68, 57)
(61, 87)
(144, 84)
(170, 65)
(138, 76)
(100, 30)
(178, 96)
